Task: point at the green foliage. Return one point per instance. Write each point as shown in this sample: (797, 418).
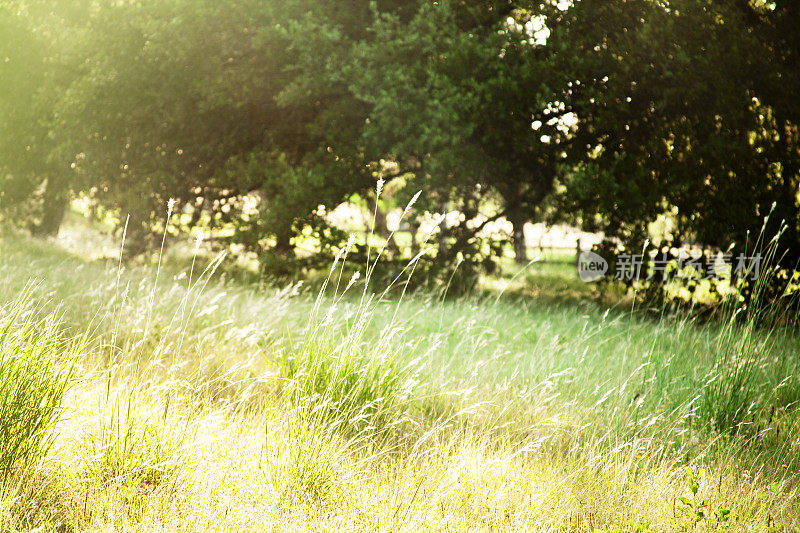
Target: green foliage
(36, 369)
(663, 139)
(345, 380)
(259, 118)
(311, 464)
(692, 511)
(132, 447)
(735, 387)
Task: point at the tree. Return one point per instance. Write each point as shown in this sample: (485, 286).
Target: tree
(669, 117)
(258, 118)
(33, 178)
(478, 88)
(232, 110)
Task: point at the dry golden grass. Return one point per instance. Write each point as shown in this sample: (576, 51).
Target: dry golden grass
(267, 470)
(218, 407)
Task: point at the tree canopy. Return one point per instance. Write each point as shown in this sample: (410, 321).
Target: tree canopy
(260, 117)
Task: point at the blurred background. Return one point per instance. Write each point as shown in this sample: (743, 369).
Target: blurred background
(527, 128)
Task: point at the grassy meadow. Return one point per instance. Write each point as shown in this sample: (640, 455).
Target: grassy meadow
(172, 397)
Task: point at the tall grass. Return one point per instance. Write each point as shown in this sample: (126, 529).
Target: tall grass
(351, 381)
(739, 385)
(309, 462)
(36, 367)
(248, 410)
(338, 373)
(130, 442)
(135, 437)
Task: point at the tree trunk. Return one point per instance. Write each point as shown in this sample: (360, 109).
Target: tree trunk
(520, 244)
(413, 229)
(382, 226)
(54, 206)
(283, 242)
(442, 254)
(789, 210)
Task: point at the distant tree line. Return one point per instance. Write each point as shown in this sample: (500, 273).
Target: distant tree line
(259, 117)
